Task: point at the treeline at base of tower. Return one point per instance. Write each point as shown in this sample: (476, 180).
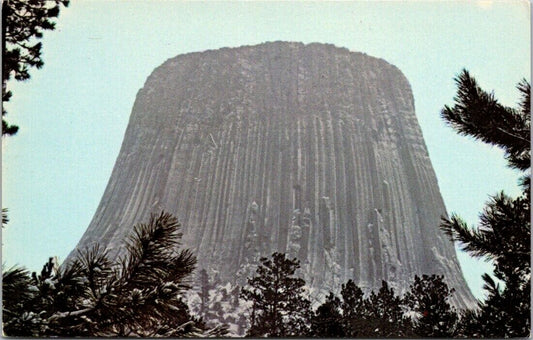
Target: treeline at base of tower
(148, 292)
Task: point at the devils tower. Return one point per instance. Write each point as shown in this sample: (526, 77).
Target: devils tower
(311, 150)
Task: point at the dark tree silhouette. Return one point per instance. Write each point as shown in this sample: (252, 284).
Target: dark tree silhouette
(503, 235)
(279, 308)
(327, 319)
(380, 315)
(384, 316)
(23, 22)
(478, 114)
(353, 308)
(428, 300)
(424, 311)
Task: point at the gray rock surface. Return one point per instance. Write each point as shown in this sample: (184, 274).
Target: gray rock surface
(311, 150)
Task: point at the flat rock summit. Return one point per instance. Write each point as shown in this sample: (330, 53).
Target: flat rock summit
(311, 150)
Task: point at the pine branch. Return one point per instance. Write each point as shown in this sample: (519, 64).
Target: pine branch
(69, 314)
(5, 218)
(92, 296)
(477, 114)
(150, 248)
(513, 134)
(525, 104)
(473, 241)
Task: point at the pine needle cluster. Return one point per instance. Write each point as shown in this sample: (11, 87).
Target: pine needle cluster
(23, 23)
(140, 294)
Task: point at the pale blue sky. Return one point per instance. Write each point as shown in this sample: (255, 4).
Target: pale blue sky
(73, 112)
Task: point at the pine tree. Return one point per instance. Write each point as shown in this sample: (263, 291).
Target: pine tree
(379, 315)
(503, 235)
(327, 319)
(383, 315)
(138, 295)
(353, 308)
(428, 299)
(23, 21)
(279, 308)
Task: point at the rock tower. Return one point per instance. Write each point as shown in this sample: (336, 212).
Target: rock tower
(311, 150)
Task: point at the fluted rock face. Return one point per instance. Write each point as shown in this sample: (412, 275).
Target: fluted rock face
(311, 150)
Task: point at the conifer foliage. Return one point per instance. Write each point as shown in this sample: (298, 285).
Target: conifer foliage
(478, 114)
(504, 233)
(428, 299)
(423, 311)
(23, 22)
(138, 295)
(327, 319)
(279, 307)
(380, 314)
(384, 316)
